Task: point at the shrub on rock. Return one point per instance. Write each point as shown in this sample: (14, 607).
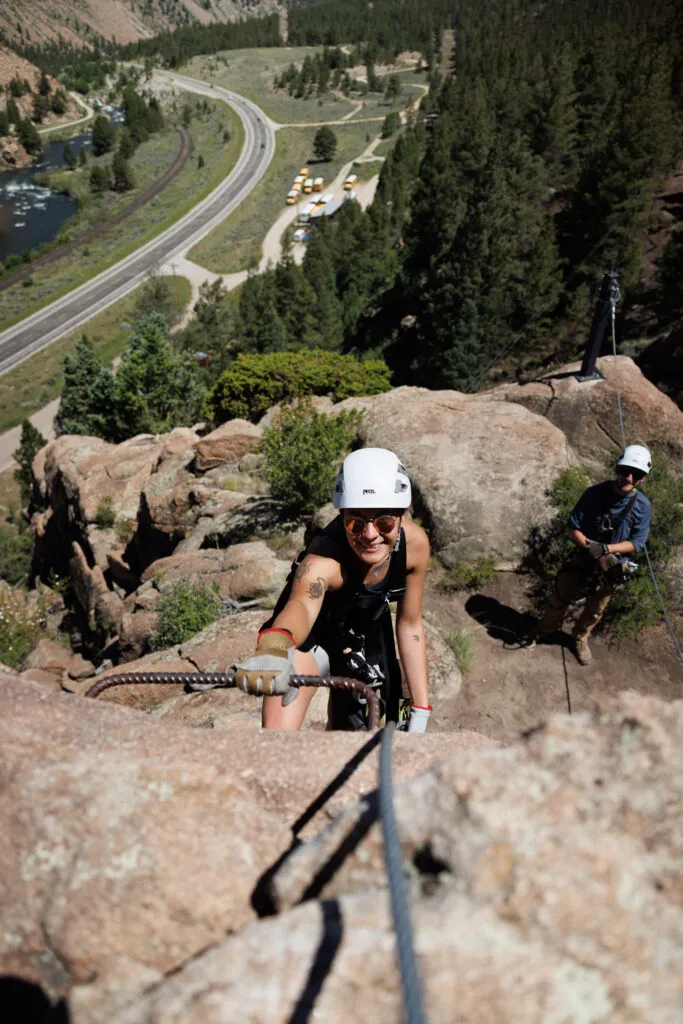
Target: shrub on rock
(185, 609)
(254, 383)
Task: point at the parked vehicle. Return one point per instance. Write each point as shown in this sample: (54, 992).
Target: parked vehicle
(305, 214)
(292, 197)
(308, 185)
(318, 185)
(304, 172)
(350, 181)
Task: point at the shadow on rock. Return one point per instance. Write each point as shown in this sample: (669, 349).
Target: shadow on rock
(23, 1002)
(330, 941)
(262, 899)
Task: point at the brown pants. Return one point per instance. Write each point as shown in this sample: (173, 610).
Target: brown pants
(568, 583)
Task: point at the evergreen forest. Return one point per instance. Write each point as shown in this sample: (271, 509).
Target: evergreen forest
(530, 170)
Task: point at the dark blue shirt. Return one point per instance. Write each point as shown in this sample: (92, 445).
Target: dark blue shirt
(602, 499)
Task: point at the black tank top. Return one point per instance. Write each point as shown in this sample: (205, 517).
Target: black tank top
(354, 624)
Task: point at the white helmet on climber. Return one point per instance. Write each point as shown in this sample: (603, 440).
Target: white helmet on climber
(372, 478)
(636, 456)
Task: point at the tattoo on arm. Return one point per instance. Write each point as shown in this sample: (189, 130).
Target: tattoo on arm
(303, 570)
(316, 589)
(416, 637)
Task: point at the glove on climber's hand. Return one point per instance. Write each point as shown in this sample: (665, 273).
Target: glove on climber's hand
(596, 549)
(418, 719)
(608, 562)
(269, 671)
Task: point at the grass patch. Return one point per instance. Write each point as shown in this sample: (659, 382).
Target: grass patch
(251, 73)
(10, 494)
(461, 643)
(470, 575)
(38, 380)
(184, 192)
(236, 243)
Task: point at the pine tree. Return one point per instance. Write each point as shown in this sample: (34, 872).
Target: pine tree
(30, 443)
(102, 135)
(156, 388)
(70, 158)
(121, 173)
(13, 112)
(324, 144)
(85, 406)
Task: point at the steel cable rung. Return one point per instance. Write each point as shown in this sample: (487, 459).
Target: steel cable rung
(217, 680)
(410, 977)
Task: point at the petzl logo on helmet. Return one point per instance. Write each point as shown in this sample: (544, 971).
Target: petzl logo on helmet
(368, 490)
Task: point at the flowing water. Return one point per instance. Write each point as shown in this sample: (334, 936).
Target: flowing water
(31, 213)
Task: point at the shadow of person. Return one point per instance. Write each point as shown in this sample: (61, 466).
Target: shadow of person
(24, 1002)
(509, 625)
(501, 621)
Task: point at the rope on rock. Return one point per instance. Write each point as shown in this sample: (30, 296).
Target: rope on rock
(410, 977)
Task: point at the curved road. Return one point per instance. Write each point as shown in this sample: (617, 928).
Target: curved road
(42, 328)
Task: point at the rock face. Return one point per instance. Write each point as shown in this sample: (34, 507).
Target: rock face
(130, 844)
(480, 468)
(544, 877)
(228, 443)
(117, 519)
(587, 413)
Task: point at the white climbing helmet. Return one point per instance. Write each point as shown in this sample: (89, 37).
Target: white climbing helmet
(637, 456)
(372, 478)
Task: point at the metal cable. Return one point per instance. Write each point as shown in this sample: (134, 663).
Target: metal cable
(211, 680)
(410, 977)
(614, 296)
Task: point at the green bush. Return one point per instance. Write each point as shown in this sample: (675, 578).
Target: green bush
(15, 554)
(20, 625)
(254, 383)
(185, 608)
(470, 575)
(461, 643)
(105, 516)
(303, 452)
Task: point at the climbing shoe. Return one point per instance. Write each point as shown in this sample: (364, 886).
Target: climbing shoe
(582, 651)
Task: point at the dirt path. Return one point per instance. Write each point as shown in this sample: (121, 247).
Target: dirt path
(510, 691)
(79, 101)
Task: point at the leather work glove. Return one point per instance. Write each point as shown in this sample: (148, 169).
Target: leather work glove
(269, 671)
(608, 562)
(419, 718)
(596, 549)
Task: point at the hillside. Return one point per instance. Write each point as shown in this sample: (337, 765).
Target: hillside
(24, 21)
(14, 67)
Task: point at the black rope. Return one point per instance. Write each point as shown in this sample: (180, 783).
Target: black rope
(410, 978)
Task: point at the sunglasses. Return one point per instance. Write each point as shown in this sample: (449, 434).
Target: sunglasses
(625, 471)
(383, 523)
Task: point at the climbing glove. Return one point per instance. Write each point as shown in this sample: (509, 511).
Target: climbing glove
(419, 718)
(596, 549)
(269, 671)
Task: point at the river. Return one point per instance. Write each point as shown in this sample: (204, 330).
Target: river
(29, 212)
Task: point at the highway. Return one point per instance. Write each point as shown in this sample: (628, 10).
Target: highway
(40, 329)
